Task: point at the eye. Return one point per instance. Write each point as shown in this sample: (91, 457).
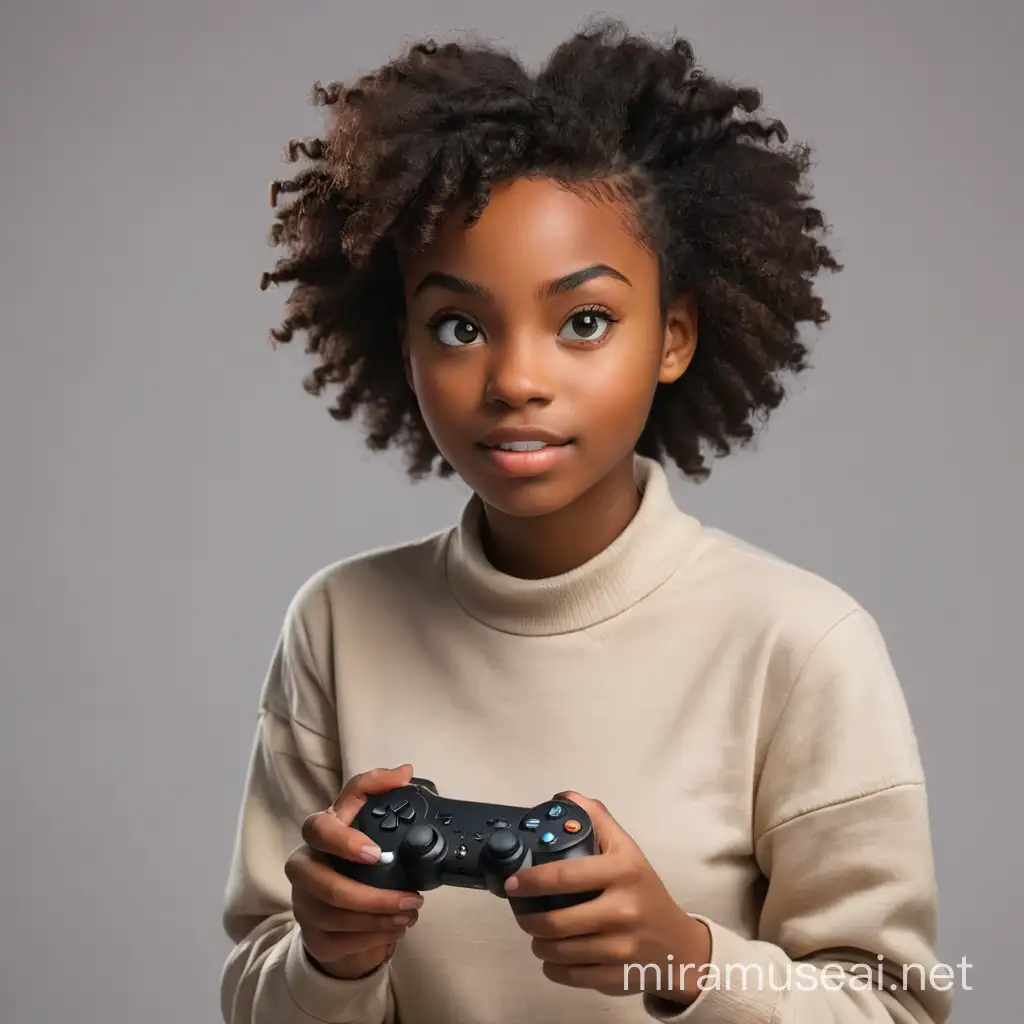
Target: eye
(587, 325)
(455, 331)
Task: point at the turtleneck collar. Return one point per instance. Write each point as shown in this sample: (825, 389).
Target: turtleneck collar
(637, 562)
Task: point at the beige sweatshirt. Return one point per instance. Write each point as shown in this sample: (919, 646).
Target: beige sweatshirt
(739, 717)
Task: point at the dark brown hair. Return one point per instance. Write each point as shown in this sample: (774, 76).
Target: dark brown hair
(718, 193)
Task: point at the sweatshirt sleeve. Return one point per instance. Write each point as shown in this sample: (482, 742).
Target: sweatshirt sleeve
(294, 770)
(847, 932)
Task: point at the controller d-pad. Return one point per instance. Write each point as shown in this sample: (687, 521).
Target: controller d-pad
(393, 812)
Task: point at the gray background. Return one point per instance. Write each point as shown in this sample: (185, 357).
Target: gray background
(167, 485)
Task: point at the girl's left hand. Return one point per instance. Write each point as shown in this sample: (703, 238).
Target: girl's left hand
(634, 921)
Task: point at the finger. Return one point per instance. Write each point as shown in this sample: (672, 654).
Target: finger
(322, 916)
(587, 949)
(611, 836)
(324, 832)
(608, 979)
(580, 874)
(377, 780)
(609, 912)
(329, 947)
(323, 883)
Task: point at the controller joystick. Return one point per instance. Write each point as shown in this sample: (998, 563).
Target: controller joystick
(503, 854)
(429, 841)
(418, 851)
(503, 845)
(419, 840)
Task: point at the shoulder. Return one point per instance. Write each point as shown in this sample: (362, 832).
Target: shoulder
(794, 623)
(825, 668)
(751, 585)
(388, 575)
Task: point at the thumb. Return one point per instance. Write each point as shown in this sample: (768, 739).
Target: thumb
(610, 834)
(377, 780)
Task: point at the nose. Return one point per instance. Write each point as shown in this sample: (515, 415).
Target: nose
(519, 372)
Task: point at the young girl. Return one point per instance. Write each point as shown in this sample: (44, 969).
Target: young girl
(555, 286)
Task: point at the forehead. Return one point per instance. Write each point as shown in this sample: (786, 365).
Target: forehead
(533, 230)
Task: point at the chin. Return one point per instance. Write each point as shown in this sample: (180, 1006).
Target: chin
(524, 497)
(524, 502)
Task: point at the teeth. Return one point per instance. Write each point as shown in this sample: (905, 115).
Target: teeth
(522, 446)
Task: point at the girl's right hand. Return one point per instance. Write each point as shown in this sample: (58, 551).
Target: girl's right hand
(348, 928)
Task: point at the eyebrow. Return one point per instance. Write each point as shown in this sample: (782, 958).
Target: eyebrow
(561, 285)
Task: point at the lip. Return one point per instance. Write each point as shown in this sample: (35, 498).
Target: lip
(526, 463)
(506, 435)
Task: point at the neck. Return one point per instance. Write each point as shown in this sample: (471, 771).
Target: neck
(635, 538)
(539, 547)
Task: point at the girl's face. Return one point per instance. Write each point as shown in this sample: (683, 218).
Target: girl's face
(541, 324)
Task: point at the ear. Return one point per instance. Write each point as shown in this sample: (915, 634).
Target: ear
(680, 341)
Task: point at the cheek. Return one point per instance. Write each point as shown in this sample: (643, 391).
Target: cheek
(619, 380)
(445, 393)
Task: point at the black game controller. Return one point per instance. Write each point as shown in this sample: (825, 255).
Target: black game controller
(429, 841)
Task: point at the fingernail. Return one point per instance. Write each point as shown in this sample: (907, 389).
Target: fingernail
(401, 920)
(371, 854)
(511, 884)
(410, 903)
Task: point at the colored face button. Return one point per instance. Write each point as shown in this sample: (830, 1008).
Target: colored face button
(531, 823)
(548, 837)
(572, 825)
(555, 811)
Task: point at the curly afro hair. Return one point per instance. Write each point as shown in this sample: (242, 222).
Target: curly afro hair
(717, 192)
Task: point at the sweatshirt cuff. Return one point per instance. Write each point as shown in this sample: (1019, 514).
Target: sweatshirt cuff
(334, 1000)
(729, 994)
